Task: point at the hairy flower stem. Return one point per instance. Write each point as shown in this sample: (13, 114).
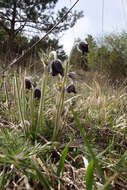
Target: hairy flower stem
(60, 106)
(41, 106)
(19, 103)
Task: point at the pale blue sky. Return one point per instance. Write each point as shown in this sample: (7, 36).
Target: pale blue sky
(115, 19)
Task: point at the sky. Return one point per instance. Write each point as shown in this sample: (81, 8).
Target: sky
(114, 19)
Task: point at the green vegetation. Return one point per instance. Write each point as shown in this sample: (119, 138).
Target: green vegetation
(63, 140)
(107, 56)
(110, 55)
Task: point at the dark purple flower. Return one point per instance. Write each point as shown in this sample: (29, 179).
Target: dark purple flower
(71, 88)
(37, 93)
(57, 68)
(28, 84)
(83, 47)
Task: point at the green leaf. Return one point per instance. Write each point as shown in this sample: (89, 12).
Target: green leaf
(92, 154)
(62, 159)
(121, 161)
(3, 179)
(109, 181)
(41, 177)
(106, 150)
(42, 100)
(89, 176)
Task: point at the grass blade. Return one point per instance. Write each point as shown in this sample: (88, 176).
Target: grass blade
(62, 159)
(109, 181)
(43, 180)
(93, 156)
(121, 161)
(106, 150)
(38, 175)
(3, 179)
(89, 176)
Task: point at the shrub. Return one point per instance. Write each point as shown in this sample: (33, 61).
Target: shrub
(110, 56)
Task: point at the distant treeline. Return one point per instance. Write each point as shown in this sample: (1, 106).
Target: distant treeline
(107, 55)
(22, 43)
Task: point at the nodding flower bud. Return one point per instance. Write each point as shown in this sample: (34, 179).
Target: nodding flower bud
(57, 68)
(83, 47)
(71, 88)
(72, 75)
(28, 84)
(37, 93)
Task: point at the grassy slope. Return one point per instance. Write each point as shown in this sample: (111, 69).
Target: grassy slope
(32, 161)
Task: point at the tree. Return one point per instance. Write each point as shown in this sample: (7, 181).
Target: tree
(3, 41)
(17, 16)
(116, 55)
(48, 45)
(109, 56)
(92, 52)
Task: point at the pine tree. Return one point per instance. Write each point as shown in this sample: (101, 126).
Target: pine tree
(16, 16)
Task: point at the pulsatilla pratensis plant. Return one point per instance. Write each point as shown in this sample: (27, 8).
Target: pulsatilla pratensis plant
(83, 47)
(28, 83)
(37, 93)
(71, 89)
(34, 111)
(57, 68)
(56, 65)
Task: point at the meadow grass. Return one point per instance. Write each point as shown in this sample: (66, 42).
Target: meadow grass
(63, 141)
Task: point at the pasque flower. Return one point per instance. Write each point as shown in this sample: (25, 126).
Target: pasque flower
(71, 89)
(56, 68)
(83, 47)
(28, 83)
(37, 93)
